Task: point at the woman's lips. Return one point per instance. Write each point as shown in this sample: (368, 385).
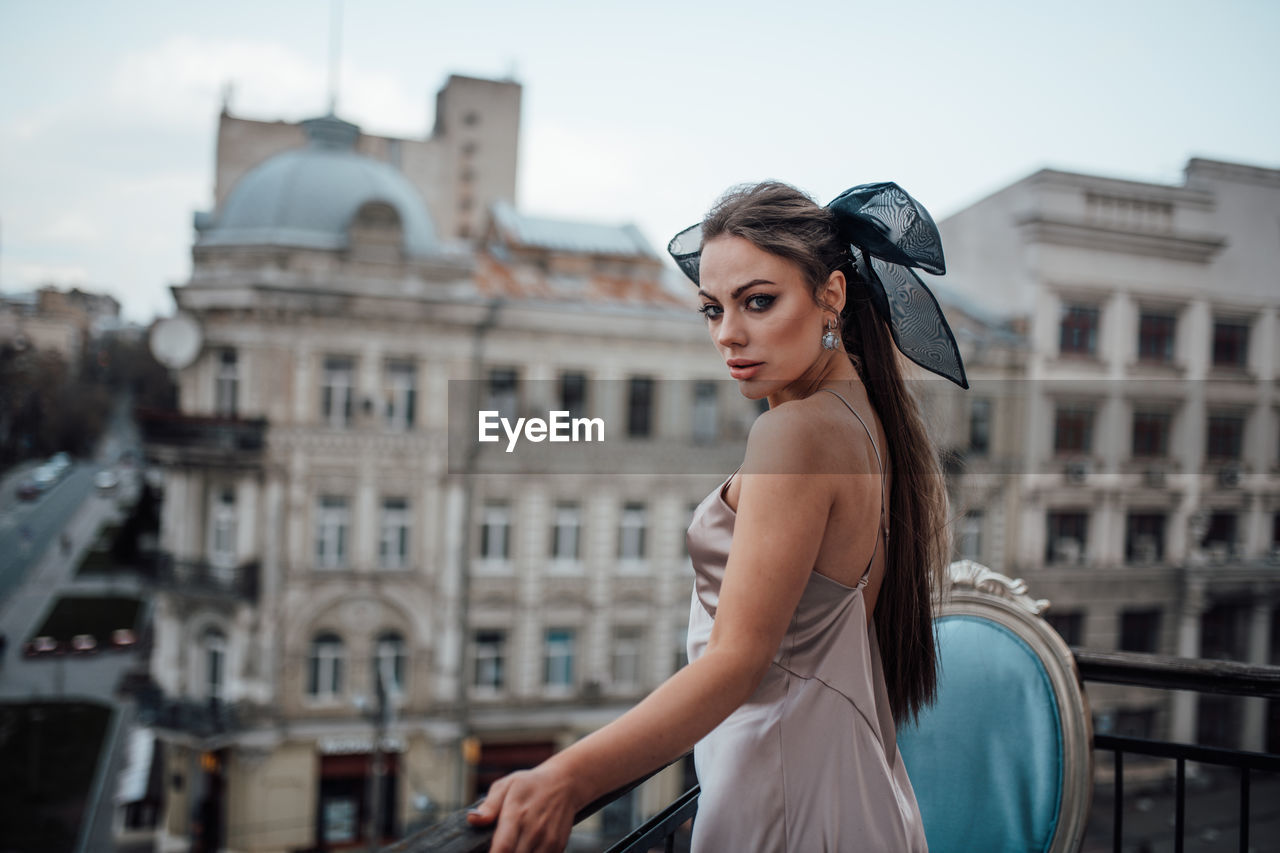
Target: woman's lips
(744, 370)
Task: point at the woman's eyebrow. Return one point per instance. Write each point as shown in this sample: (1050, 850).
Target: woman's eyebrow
(739, 289)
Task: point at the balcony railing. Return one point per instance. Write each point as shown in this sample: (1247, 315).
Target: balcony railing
(198, 578)
(172, 437)
(454, 835)
(1172, 673)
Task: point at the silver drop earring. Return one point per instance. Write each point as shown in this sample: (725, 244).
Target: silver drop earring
(829, 340)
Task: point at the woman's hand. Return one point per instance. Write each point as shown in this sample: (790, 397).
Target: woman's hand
(534, 809)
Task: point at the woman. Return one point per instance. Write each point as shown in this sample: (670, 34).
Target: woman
(810, 637)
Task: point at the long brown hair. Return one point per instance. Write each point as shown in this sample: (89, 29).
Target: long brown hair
(783, 221)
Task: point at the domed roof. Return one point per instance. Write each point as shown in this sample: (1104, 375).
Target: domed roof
(307, 197)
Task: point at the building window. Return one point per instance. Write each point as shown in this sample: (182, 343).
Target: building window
(490, 660)
(1151, 434)
(401, 394)
(333, 520)
(495, 531)
(1230, 343)
(324, 675)
(1079, 330)
(969, 544)
(558, 661)
(705, 428)
(1140, 631)
(628, 643)
(1144, 537)
(393, 539)
(214, 648)
(338, 391)
(631, 532)
(1073, 429)
(1155, 337)
(503, 393)
(1067, 536)
(222, 545)
(227, 385)
(640, 407)
(573, 394)
(389, 662)
(1069, 624)
(1220, 535)
(979, 426)
(566, 533)
(1225, 436)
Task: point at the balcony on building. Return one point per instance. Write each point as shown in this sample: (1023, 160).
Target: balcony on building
(178, 438)
(202, 579)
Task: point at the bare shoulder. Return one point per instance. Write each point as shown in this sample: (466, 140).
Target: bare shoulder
(789, 439)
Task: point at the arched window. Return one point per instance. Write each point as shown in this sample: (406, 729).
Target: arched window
(324, 675)
(213, 653)
(389, 661)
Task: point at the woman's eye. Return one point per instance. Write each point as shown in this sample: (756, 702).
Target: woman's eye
(709, 310)
(765, 300)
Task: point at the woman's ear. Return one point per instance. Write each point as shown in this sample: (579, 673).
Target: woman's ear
(832, 293)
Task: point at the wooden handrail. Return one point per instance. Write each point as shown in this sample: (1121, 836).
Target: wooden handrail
(1175, 673)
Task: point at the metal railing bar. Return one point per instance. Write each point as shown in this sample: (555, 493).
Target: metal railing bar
(1175, 673)
(1266, 762)
(662, 825)
(599, 803)
(1180, 806)
(455, 835)
(1244, 810)
(1117, 833)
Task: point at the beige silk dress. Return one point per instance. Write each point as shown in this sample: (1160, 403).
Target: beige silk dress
(810, 762)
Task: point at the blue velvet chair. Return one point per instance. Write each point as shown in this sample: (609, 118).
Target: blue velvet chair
(1004, 760)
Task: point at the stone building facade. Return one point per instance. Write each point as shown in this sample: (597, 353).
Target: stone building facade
(340, 571)
(1126, 462)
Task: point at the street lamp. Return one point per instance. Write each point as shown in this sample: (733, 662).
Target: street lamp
(388, 699)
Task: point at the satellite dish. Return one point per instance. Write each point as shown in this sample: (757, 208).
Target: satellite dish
(175, 341)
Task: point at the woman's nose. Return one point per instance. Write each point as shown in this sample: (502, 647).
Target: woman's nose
(731, 330)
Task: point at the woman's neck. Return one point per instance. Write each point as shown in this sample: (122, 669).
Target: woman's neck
(832, 369)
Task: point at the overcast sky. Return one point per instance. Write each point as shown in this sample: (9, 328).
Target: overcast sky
(636, 111)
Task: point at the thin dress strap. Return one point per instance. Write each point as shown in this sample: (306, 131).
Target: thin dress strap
(884, 523)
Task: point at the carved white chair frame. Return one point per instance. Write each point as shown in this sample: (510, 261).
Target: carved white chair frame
(975, 590)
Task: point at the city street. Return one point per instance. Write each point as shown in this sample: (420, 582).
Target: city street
(33, 575)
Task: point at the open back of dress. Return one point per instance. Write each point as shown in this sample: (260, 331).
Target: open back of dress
(810, 762)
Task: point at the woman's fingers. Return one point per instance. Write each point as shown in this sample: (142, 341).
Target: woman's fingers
(488, 810)
(529, 821)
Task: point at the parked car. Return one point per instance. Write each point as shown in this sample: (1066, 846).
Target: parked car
(28, 489)
(45, 477)
(106, 480)
(41, 646)
(84, 644)
(59, 463)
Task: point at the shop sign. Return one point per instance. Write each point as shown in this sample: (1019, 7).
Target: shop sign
(355, 744)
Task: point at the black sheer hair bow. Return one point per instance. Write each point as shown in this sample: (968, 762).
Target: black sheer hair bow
(889, 233)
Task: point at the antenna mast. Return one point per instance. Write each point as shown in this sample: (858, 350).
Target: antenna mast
(335, 50)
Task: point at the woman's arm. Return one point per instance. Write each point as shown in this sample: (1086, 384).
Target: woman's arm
(780, 521)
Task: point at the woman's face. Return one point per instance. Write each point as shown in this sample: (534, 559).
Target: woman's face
(761, 315)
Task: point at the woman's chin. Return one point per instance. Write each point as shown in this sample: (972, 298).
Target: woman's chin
(755, 389)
